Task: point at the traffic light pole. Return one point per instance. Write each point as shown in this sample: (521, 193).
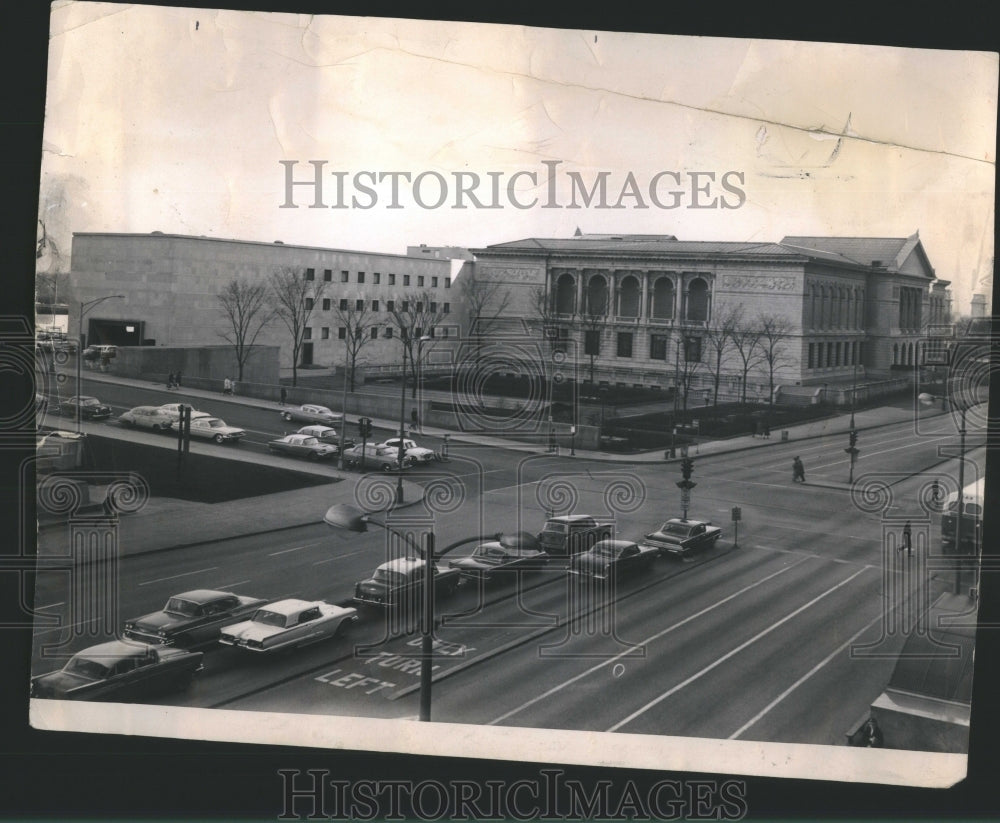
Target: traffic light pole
(685, 485)
(852, 450)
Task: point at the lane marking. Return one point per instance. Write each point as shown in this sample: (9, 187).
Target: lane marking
(50, 605)
(226, 586)
(175, 576)
(697, 675)
(67, 626)
(752, 721)
(656, 636)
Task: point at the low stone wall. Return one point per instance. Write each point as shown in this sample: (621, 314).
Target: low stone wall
(201, 367)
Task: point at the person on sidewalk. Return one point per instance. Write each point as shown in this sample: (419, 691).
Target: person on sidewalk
(170, 380)
(414, 422)
(798, 471)
(767, 431)
(284, 395)
(177, 379)
(227, 386)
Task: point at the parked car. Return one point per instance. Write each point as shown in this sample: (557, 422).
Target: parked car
(610, 558)
(119, 670)
(302, 445)
(99, 352)
(173, 410)
(147, 417)
(509, 553)
(326, 434)
(401, 581)
(417, 454)
(288, 624)
(212, 428)
(88, 408)
(375, 457)
(192, 618)
(679, 536)
(573, 533)
(311, 413)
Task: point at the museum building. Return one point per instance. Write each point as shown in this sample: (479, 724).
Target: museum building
(637, 308)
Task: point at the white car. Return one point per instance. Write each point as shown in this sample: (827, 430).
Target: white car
(417, 454)
(326, 434)
(212, 428)
(173, 411)
(288, 624)
(311, 413)
(147, 417)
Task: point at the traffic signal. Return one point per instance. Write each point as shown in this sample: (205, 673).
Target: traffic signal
(687, 466)
(854, 437)
(365, 427)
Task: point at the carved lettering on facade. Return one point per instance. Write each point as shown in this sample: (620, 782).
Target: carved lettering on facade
(513, 275)
(758, 282)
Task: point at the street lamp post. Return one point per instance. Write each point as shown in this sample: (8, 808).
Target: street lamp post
(347, 517)
(85, 306)
(343, 410)
(402, 422)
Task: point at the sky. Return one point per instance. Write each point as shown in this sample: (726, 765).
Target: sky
(190, 121)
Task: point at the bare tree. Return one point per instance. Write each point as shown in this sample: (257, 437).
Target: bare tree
(292, 298)
(244, 307)
(687, 361)
(746, 343)
(52, 287)
(416, 316)
(718, 339)
(485, 302)
(775, 331)
(358, 325)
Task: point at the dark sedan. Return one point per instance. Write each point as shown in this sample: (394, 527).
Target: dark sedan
(610, 558)
(120, 670)
(88, 408)
(193, 618)
(303, 445)
(510, 553)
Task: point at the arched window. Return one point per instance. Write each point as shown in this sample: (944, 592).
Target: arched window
(813, 317)
(697, 302)
(663, 299)
(824, 316)
(895, 354)
(566, 294)
(597, 295)
(629, 297)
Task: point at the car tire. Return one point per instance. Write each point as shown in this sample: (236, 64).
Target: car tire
(219, 438)
(386, 467)
(127, 423)
(313, 456)
(287, 416)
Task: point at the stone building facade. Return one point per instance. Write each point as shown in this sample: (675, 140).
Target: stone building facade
(642, 309)
(170, 286)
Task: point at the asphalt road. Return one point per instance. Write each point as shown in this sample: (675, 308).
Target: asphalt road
(752, 642)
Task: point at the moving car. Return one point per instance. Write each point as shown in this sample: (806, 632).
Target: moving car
(147, 417)
(573, 533)
(212, 428)
(326, 434)
(119, 670)
(288, 624)
(98, 352)
(401, 581)
(88, 408)
(679, 536)
(173, 410)
(311, 413)
(302, 445)
(375, 457)
(610, 558)
(513, 553)
(417, 454)
(192, 618)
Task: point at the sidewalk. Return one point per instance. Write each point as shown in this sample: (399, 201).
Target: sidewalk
(168, 523)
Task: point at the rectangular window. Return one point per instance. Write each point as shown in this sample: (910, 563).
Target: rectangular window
(406, 306)
(325, 333)
(359, 305)
(376, 278)
(592, 342)
(327, 275)
(390, 305)
(388, 333)
(418, 333)
(430, 332)
(392, 279)
(692, 349)
(307, 333)
(812, 355)
(310, 274)
(345, 277)
(434, 282)
(624, 344)
(447, 282)
(434, 307)
(446, 308)
(658, 346)
(309, 304)
(342, 333)
(343, 304)
(406, 280)
(326, 304)
(420, 305)
(444, 331)
(420, 280)
(361, 277)
(374, 332)
(374, 305)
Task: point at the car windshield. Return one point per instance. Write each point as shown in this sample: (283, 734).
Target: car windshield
(269, 618)
(321, 410)
(491, 550)
(607, 549)
(388, 576)
(678, 529)
(308, 441)
(555, 528)
(88, 401)
(215, 423)
(386, 452)
(177, 605)
(87, 667)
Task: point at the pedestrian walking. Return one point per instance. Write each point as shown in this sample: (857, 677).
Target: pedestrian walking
(767, 431)
(170, 380)
(177, 379)
(798, 471)
(284, 395)
(414, 420)
(227, 386)
(907, 538)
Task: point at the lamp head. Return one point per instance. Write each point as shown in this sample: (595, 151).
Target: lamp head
(342, 516)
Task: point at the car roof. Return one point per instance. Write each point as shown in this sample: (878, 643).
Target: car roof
(146, 408)
(116, 650)
(203, 595)
(290, 606)
(571, 518)
(683, 522)
(402, 564)
(618, 544)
